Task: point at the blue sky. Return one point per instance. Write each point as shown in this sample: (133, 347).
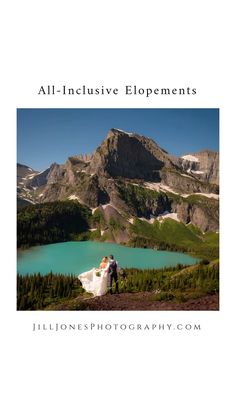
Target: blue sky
(45, 136)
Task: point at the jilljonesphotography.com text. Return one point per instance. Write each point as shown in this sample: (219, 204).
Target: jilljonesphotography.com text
(79, 327)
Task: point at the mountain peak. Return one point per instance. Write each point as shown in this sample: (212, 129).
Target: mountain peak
(129, 155)
(117, 131)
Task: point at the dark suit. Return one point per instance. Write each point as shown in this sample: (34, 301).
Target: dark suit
(112, 272)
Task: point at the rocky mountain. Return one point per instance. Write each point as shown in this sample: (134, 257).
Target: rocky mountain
(24, 174)
(204, 165)
(130, 176)
(23, 171)
(130, 156)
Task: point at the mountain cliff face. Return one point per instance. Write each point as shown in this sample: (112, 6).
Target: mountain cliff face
(130, 156)
(204, 165)
(135, 177)
(24, 174)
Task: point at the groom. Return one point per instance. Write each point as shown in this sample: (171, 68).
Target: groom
(112, 272)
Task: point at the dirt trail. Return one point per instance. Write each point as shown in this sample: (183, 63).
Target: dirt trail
(144, 301)
(139, 301)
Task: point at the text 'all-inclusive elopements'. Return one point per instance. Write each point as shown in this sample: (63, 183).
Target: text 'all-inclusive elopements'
(128, 90)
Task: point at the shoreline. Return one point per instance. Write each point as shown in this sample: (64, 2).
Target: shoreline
(195, 255)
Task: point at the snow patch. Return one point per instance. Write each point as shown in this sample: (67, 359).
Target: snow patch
(135, 184)
(152, 185)
(168, 189)
(159, 187)
(41, 194)
(166, 214)
(131, 220)
(92, 229)
(208, 195)
(197, 172)
(74, 197)
(39, 173)
(146, 219)
(125, 132)
(105, 206)
(190, 157)
(182, 174)
(161, 217)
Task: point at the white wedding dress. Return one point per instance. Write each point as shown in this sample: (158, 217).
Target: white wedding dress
(95, 281)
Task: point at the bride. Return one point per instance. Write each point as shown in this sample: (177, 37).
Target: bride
(95, 280)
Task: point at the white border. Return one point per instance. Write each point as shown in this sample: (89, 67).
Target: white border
(120, 374)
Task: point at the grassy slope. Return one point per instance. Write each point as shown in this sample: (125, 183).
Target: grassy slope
(60, 221)
(137, 197)
(60, 292)
(176, 236)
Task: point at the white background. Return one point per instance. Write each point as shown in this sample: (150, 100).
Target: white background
(117, 374)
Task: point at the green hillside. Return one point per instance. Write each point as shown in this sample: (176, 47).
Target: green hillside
(68, 220)
(174, 284)
(174, 235)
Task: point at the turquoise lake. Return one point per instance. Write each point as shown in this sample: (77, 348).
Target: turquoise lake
(77, 257)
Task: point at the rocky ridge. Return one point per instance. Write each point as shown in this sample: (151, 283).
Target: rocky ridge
(204, 165)
(128, 176)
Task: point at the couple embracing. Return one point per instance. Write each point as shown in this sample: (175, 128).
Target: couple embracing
(97, 280)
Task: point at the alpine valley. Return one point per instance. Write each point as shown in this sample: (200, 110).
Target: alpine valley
(130, 191)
